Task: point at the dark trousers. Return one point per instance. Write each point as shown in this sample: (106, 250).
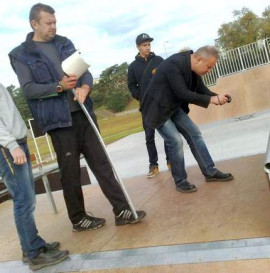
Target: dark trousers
(69, 143)
(151, 146)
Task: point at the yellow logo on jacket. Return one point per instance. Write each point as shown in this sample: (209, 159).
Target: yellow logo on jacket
(154, 71)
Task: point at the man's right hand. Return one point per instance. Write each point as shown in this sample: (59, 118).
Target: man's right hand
(69, 82)
(19, 156)
(219, 99)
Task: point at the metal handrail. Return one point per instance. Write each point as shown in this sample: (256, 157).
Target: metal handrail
(239, 59)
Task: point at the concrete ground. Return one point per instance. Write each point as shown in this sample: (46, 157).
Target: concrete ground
(224, 227)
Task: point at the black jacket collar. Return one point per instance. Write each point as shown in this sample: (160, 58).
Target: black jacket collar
(138, 57)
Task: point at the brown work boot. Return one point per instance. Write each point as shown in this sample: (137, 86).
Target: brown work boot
(219, 177)
(186, 187)
(47, 258)
(48, 246)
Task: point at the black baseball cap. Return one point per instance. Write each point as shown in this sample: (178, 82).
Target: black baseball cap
(143, 38)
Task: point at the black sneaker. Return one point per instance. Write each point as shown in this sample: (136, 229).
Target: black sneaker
(219, 176)
(47, 258)
(89, 223)
(186, 187)
(126, 217)
(48, 246)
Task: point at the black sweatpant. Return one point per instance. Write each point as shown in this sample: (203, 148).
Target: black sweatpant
(151, 145)
(68, 144)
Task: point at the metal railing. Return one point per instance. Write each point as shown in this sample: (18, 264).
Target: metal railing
(239, 59)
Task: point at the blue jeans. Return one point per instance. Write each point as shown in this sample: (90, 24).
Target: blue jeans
(20, 184)
(171, 132)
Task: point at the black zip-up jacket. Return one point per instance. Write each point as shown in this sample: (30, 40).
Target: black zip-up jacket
(173, 86)
(138, 78)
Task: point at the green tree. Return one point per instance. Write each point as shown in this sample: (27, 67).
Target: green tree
(112, 90)
(245, 29)
(98, 94)
(20, 101)
(117, 100)
(265, 24)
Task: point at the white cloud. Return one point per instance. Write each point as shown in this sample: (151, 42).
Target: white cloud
(105, 30)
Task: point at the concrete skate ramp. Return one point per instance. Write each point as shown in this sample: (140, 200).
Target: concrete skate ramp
(250, 91)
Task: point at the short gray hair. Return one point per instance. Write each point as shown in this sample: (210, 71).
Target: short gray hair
(207, 52)
(36, 9)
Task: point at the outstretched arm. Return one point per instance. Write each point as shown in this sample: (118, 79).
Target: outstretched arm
(220, 99)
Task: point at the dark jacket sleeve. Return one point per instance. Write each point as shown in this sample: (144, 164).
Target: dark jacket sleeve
(86, 78)
(177, 83)
(202, 89)
(133, 85)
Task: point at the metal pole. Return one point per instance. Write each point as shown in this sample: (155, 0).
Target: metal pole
(35, 141)
(218, 73)
(267, 161)
(105, 150)
(267, 157)
(265, 49)
(50, 149)
(241, 60)
(49, 192)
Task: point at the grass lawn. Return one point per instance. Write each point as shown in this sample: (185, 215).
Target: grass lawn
(133, 104)
(114, 128)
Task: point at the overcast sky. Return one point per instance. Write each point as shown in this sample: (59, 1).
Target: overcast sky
(105, 30)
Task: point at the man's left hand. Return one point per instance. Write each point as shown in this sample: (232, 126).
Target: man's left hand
(82, 93)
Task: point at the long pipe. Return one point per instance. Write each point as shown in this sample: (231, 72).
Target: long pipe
(108, 156)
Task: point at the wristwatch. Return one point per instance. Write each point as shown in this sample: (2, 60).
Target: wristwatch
(59, 88)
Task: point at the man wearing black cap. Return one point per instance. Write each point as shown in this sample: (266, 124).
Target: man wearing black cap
(140, 73)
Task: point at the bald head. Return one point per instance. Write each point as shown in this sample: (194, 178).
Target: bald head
(204, 59)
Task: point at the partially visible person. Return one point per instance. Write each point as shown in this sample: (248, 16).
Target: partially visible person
(37, 63)
(16, 172)
(140, 73)
(164, 106)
